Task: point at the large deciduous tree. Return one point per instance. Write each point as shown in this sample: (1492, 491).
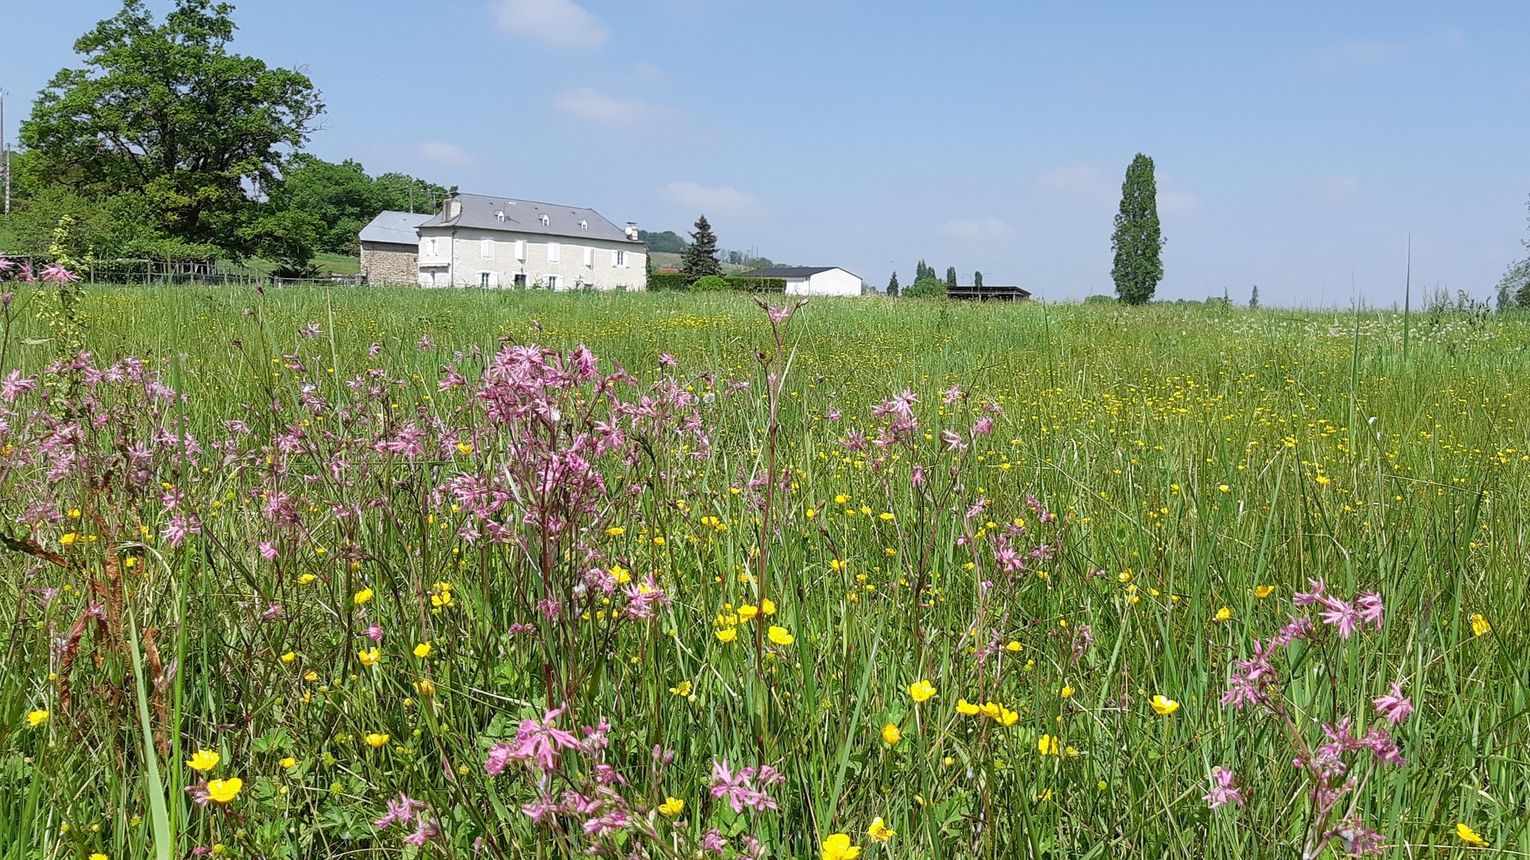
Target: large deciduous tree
(1138, 239)
(165, 110)
(700, 259)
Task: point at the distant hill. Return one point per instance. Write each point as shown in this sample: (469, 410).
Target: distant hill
(667, 242)
(665, 249)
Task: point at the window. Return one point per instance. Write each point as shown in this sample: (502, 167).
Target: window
(621, 260)
(486, 248)
(520, 250)
(430, 246)
(483, 279)
(589, 258)
(554, 253)
(552, 282)
(519, 280)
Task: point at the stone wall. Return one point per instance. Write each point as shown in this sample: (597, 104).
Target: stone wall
(389, 264)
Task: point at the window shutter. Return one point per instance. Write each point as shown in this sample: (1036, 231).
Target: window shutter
(486, 249)
(520, 250)
(589, 257)
(554, 253)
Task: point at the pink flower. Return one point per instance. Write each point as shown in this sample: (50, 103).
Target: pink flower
(58, 275)
(1223, 790)
(536, 742)
(714, 842)
(401, 810)
(1393, 707)
(740, 789)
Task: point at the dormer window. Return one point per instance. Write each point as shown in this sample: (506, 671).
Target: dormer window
(500, 215)
(546, 220)
(584, 225)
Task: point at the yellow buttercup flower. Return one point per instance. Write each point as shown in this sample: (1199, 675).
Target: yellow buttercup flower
(748, 611)
(1263, 591)
(1163, 705)
(68, 539)
(288, 763)
(1470, 836)
(422, 650)
(727, 634)
(306, 578)
(1048, 745)
(1067, 692)
(879, 831)
(837, 847)
(369, 656)
(671, 807)
(99, 856)
(203, 761)
(224, 790)
(921, 691)
(37, 718)
(781, 636)
(966, 708)
(891, 734)
(1223, 614)
(363, 597)
(1480, 625)
(376, 739)
(768, 606)
(682, 689)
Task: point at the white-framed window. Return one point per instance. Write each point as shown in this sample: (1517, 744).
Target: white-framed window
(486, 249)
(485, 279)
(620, 260)
(589, 258)
(520, 250)
(552, 282)
(430, 246)
(554, 252)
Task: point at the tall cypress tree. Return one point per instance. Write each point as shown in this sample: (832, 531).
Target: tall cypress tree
(700, 258)
(977, 279)
(1253, 299)
(1138, 239)
(892, 285)
(951, 276)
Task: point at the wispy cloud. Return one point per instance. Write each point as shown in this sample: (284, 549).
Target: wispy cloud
(596, 106)
(721, 199)
(1378, 53)
(444, 154)
(560, 23)
(975, 228)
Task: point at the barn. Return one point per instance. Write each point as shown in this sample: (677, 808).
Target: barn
(814, 280)
(390, 245)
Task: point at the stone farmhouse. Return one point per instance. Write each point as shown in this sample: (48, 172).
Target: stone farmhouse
(482, 241)
(390, 245)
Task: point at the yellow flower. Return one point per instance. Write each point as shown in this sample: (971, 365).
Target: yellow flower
(921, 691)
(891, 734)
(621, 574)
(376, 739)
(780, 636)
(1263, 591)
(1480, 625)
(288, 657)
(1223, 614)
(838, 847)
(425, 687)
(1048, 745)
(671, 807)
(203, 761)
(1163, 706)
(879, 831)
(1470, 836)
(682, 689)
(1067, 692)
(616, 531)
(369, 656)
(422, 650)
(728, 634)
(1014, 647)
(68, 539)
(363, 597)
(306, 578)
(464, 448)
(99, 856)
(37, 718)
(224, 790)
(289, 762)
(748, 611)
(768, 606)
(1224, 488)
(966, 708)
(1007, 717)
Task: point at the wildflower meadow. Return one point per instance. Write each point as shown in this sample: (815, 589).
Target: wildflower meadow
(337, 572)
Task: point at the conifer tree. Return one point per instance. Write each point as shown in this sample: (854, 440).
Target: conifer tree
(977, 279)
(951, 276)
(892, 285)
(700, 258)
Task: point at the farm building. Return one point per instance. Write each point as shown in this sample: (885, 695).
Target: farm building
(482, 241)
(389, 245)
(814, 280)
(987, 293)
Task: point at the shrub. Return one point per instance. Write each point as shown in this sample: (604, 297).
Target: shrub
(757, 285)
(710, 284)
(926, 288)
(660, 282)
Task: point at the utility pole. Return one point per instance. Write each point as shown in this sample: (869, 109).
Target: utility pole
(5, 149)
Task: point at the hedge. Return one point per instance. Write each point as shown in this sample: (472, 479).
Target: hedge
(659, 282)
(757, 285)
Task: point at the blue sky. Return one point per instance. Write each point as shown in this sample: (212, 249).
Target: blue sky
(1298, 144)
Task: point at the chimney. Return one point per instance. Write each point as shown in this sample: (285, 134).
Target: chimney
(453, 208)
(632, 230)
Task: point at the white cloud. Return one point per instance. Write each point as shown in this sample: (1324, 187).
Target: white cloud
(596, 106)
(975, 228)
(1079, 178)
(445, 154)
(560, 23)
(701, 198)
(1333, 190)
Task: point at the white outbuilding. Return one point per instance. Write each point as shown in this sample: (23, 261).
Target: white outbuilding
(814, 280)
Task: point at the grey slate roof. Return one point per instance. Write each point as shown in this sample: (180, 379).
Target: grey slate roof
(394, 228)
(525, 216)
(790, 272)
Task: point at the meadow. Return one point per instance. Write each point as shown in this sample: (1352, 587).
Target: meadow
(338, 572)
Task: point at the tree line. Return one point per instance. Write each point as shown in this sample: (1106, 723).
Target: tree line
(166, 145)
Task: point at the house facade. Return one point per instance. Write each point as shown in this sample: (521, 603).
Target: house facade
(390, 248)
(501, 242)
(814, 280)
